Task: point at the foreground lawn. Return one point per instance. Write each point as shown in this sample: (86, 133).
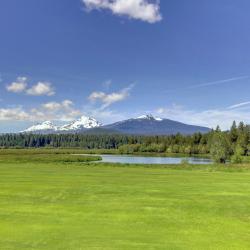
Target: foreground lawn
(90, 206)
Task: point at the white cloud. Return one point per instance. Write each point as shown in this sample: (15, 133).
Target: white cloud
(209, 118)
(109, 99)
(70, 115)
(67, 103)
(54, 106)
(59, 110)
(18, 86)
(41, 88)
(13, 114)
(148, 11)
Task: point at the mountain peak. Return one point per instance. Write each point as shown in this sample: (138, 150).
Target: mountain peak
(83, 122)
(149, 117)
(43, 126)
(47, 123)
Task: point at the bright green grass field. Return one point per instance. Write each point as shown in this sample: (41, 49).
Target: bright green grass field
(90, 206)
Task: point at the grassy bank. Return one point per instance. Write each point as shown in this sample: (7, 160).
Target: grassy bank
(83, 205)
(29, 151)
(54, 151)
(43, 156)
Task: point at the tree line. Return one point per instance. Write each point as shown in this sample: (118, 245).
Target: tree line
(232, 144)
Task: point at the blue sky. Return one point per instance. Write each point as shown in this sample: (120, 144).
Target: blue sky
(184, 60)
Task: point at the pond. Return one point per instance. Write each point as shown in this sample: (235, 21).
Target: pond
(132, 159)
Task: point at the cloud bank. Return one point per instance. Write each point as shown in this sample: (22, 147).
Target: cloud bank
(60, 111)
(143, 10)
(13, 114)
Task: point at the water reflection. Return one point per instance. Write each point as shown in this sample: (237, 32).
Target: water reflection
(152, 160)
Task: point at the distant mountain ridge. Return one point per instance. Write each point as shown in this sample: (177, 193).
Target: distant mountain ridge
(143, 125)
(46, 127)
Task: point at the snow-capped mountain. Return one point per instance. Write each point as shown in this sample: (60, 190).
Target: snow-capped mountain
(83, 123)
(150, 125)
(46, 127)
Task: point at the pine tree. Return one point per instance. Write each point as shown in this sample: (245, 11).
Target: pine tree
(233, 134)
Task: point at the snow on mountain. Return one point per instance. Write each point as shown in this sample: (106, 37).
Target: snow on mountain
(145, 117)
(158, 119)
(44, 126)
(149, 117)
(48, 127)
(83, 123)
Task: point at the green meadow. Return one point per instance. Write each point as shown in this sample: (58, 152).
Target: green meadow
(54, 200)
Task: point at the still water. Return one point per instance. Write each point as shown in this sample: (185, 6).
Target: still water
(152, 160)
